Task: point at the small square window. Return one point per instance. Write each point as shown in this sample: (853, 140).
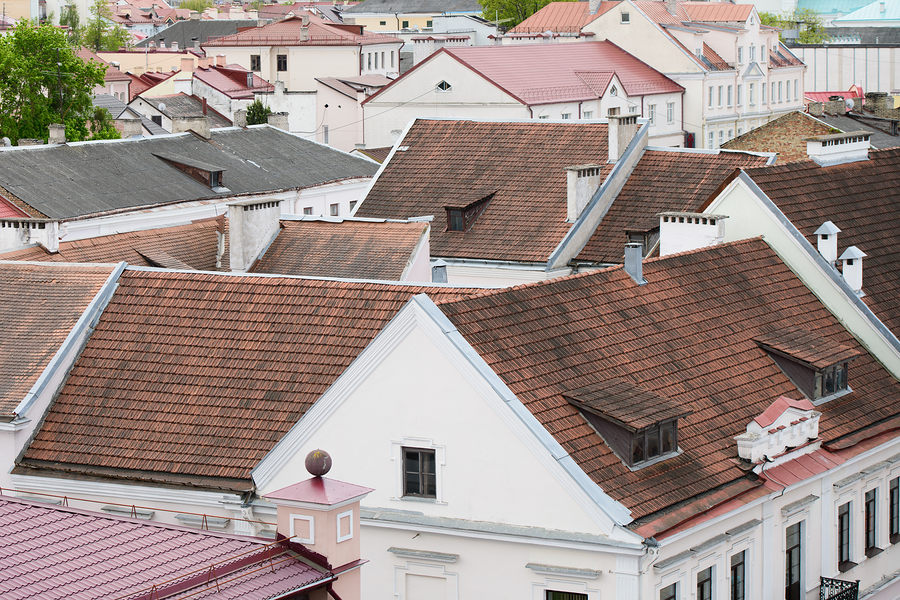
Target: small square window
(429, 24)
(626, 18)
(405, 24)
(255, 63)
(566, 116)
(382, 23)
(334, 209)
(588, 114)
(307, 210)
(282, 62)
(419, 473)
(157, 119)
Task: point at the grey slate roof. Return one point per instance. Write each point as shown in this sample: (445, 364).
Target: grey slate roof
(880, 138)
(82, 179)
(182, 105)
(415, 6)
(183, 31)
(116, 107)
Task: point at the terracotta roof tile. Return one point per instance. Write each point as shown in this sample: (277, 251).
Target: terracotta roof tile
(232, 81)
(713, 59)
(193, 378)
(451, 162)
(780, 56)
(785, 135)
(61, 553)
(347, 250)
(661, 181)
(40, 305)
(860, 198)
(624, 403)
(807, 347)
(686, 335)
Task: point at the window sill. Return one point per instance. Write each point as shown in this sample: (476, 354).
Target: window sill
(420, 499)
(846, 565)
(873, 552)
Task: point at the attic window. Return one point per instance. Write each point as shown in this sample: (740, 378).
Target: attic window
(626, 18)
(640, 426)
(647, 238)
(443, 86)
(461, 218)
(818, 366)
(211, 176)
(613, 91)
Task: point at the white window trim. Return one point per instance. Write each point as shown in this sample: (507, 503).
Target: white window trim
(312, 528)
(425, 570)
(805, 570)
(539, 590)
(439, 463)
(347, 536)
(745, 545)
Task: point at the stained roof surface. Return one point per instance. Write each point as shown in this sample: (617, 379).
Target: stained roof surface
(347, 250)
(182, 105)
(807, 347)
(625, 403)
(288, 33)
(456, 163)
(180, 365)
(860, 198)
(688, 335)
(61, 553)
(553, 72)
(193, 246)
(87, 178)
(40, 305)
(661, 181)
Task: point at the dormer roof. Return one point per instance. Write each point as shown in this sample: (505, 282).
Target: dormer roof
(625, 404)
(806, 347)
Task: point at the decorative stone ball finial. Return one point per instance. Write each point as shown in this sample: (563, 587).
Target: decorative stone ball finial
(318, 462)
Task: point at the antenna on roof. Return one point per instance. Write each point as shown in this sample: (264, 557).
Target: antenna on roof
(161, 107)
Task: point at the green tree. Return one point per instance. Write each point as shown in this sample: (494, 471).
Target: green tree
(811, 29)
(198, 5)
(512, 12)
(68, 17)
(257, 114)
(101, 33)
(42, 81)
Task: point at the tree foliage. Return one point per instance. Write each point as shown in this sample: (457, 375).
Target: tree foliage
(42, 81)
(198, 5)
(512, 12)
(101, 33)
(257, 114)
(69, 17)
(811, 29)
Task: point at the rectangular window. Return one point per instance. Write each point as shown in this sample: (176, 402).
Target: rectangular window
(307, 210)
(551, 595)
(255, 63)
(729, 95)
(383, 64)
(792, 566)
(894, 512)
(704, 584)
(669, 592)
(281, 62)
(710, 96)
(871, 523)
(369, 61)
(588, 114)
(762, 53)
(740, 55)
(543, 116)
(796, 90)
(711, 143)
(762, 94)
(419, 473)
(831, 380)
(752, 94)
(325, 134)
(774, 89)
(670, 112)
(405, 24)
(382, 22)
(376, 61)
(721, 95)
(352, 206)
(334, 209)
(779, 92)
(738, 586)
(752, 49)
(787, 90)
(843, 539)
(429, 24)
(626, 18)
(157, 119)
(721, 136)
(566, 116)
(455, 220)
(392, 59)
(651, 110)
(739, 100)
(632, 109)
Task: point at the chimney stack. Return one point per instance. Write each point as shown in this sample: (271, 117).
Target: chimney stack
(240, 117)
(684, 231)
(196, 45)
(827, 242)
(138, 71)
(323, 515)
(581, 183)
(199, 125)
(634, 262)
(187, 64)
(252, 225)
(220, 60)
(304, 20)
(593, 6)
(129, 127)
(622, 129)
(203, 63)
(195, 16)
(57, 133)
(279, 120)
(672, 7)
(852, 271)
(439, 272)
(838, 148)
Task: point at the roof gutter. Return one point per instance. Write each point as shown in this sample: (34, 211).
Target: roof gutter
(77, 337)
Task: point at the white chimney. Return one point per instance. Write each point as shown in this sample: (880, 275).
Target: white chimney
(672, 7)
(852, 258)
(881, 6)
(828, 241)
(581, 183)
(622, 129)
(439, 272)
(252, 225)
(57, 134)
(683, 231)
(593, 6)
(838, 148)
(634, 262)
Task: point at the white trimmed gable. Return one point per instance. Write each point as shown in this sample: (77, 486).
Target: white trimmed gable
(785, 424)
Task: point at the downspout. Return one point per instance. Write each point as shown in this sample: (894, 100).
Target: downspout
(531, 112)
(579, 109)
(682, 120)
(361, 58)
(331, 592)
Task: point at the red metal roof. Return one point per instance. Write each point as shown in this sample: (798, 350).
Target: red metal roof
(232, 81)
(288, 33)
(798, 469)
(320, 490)
(61, 553)
(781, 404)
(561, 17)
(717, 12)
(10, 211)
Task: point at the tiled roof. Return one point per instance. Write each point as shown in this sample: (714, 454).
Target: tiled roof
(659, 13)
(145, 81)
(806, 347)
(125, 174)
(879, 129)
(232, 81)
(112, 73)
(182, 105)
(661, 181)
(860, 198)
(193, 378)
(60, 553)
(550, 73)
(687, 335)
(459, 162)
(717, 12)
(40, 305)
(379, 155)
(288, 33)
(561, 17)
(347, 250)
(781, 404)
(625, 403)
(713, 60)
(785, 135)
(780, 56)
(192, 245)
(184, 32)
(116, 107)
(437, 7)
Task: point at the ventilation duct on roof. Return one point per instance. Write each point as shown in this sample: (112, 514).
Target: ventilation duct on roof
(827, 241)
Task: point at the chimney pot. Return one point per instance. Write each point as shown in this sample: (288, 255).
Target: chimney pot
(684, 231)
(634, 262)
(827, 241)
(838, 148)
(852, 268)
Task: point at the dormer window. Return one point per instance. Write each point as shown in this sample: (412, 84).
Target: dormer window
(647, 237)
(640, 426)
(461, 218)
(207, 174)
(818, 366)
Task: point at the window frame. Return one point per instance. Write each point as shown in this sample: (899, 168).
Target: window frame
(422, 483)
(670, 112)
(721, 94)
(705, 585)
(644, 437)
(894, 510)
(710, 97)
(730, 96)
(870, 530)
(334, 210)
(281, 63)
(587, 115)
(844, 545)
(651, 113)
(788, 565)
(740, 55)
(738, 570)
(255, 63)
(670, 592)
(624, 18)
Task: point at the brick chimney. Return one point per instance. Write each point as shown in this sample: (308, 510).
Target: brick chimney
(128, 127)
(279, 120)
(684, 231)
(57, 133)
(622, 129)
(199, 125)
(852, 268)
(838, 148)
(323, 515)
(581, 183)
(827, 242)
(252, 225)
(816, 109)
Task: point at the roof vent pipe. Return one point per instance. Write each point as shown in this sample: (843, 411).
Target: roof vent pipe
(827, 235)
(634, 262)
(439, 272)
(852, 270)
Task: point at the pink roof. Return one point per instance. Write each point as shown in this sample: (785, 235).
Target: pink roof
(9, 211)
(319, 490)
(551, 73)
(564, 17)
(802, 467)
(777, 408)
(288, 33)
(52, 552)
(232, 81)
(824, 96)
(713, 12)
